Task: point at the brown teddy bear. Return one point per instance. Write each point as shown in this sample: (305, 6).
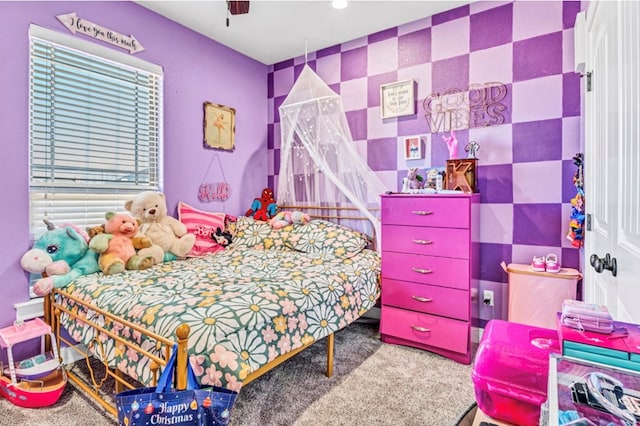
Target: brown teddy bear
(165, 231)
(118, 244)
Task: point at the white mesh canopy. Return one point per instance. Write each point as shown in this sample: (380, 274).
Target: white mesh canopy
(319, 164)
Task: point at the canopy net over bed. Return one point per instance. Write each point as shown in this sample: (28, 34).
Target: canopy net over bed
(319, 163)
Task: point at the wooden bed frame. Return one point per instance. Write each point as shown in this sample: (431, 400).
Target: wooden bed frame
(95, 386)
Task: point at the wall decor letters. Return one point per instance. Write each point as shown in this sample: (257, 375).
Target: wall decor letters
(479, 105)
(77, 25)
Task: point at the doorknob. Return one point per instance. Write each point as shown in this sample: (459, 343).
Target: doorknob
(606, 262)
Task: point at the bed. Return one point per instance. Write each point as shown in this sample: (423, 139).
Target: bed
(235, 314)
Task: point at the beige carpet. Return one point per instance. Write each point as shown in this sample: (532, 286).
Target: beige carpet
(373, 384)
(397, 385)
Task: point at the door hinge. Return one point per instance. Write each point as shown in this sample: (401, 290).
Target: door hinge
(588, 222)
(589, 81)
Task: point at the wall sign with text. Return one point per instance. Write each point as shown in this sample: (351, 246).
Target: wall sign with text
(77, 25)
(479, 105)
(397, 99)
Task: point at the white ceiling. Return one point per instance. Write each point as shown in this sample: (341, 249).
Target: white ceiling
(274, 31)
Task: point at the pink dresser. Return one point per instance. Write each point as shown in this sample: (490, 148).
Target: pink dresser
(429, 268)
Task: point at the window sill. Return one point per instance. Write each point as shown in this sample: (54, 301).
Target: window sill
(33, 308)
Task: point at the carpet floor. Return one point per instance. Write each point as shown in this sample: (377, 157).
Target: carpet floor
(373, 384)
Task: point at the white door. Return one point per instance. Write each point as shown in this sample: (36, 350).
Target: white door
(600, 144)
(627, 249)
(612, 184)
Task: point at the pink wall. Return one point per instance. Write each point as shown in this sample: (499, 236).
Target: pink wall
(196, 70)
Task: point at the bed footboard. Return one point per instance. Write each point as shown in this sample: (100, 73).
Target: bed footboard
(101, 381)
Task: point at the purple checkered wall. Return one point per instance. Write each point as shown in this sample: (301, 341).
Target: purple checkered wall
(525, 165)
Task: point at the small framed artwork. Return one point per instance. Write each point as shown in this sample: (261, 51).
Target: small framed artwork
(397, 99)
(414, 147)
(219, 126)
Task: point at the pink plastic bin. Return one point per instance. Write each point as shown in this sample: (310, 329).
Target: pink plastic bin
(510, 371)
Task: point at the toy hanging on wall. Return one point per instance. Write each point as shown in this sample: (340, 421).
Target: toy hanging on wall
(576, 223)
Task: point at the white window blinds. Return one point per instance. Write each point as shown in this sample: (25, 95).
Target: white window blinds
(94, 134)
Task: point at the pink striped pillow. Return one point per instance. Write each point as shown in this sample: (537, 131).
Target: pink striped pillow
(201, 224)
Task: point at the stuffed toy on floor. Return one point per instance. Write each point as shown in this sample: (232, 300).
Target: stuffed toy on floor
(165, 232)
(62, 254)
(119, 243)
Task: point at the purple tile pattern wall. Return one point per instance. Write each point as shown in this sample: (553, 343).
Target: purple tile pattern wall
(524, 168)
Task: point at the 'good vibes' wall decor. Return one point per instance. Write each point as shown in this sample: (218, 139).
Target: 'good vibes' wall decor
(479, 105)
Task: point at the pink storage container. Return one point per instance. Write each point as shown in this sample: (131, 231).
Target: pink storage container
(536, 297)
(510, 371)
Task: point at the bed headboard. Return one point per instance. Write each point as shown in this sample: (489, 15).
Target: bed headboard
(342, 215)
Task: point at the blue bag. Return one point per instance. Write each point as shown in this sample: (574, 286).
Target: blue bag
(164, 405)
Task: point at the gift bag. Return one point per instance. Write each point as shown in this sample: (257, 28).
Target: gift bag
(164, 405)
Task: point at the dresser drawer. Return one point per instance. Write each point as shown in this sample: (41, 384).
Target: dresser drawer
(446, 242)
(442, 271)
(438, 211)
(448, 302)
(445, 333)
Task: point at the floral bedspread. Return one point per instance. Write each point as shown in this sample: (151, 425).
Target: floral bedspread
(244, 307)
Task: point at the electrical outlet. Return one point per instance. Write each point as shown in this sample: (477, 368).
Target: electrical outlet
(487, 297)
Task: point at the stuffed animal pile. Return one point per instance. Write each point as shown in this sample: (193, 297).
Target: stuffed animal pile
(119, 243)
(62, 254)
(168, 235)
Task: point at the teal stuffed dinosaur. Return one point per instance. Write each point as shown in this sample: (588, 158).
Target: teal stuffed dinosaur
(62, 254)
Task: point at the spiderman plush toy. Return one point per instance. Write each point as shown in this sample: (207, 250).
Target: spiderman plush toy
(263, 208)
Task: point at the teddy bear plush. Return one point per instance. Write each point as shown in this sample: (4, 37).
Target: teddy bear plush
(263, 208)
(118, 244)
(92, 231)
(62, 254)
(168, 235)
(285, 218)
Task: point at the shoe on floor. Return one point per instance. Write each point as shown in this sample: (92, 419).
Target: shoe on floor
(538, 264)
(552, 263)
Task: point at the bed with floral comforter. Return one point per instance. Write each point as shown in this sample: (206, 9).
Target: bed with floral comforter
(269, 293)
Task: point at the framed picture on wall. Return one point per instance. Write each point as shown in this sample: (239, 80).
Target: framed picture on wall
(414, 147)
(219, 126)
(397, 99)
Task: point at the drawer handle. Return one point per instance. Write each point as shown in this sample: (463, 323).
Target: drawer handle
(422, 271)
(421, 212)
(423, 242)
(422, 329)
(422, 299)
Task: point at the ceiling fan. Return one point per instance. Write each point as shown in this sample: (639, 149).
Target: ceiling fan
(237, 8)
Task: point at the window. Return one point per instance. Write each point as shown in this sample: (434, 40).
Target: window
(95, 129)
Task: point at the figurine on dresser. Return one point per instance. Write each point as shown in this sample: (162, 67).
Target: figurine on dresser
(413, 181)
